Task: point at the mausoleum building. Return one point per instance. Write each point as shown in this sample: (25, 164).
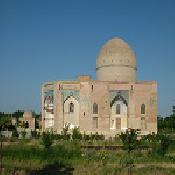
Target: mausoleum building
(112, 103)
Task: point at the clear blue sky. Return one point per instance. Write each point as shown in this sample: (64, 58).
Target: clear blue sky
(51, 40)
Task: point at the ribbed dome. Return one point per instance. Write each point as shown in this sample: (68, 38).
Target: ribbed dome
(116, 62)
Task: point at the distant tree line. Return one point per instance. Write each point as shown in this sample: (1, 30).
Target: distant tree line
(166, 123)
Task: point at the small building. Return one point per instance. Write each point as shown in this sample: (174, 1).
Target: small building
(27, 121)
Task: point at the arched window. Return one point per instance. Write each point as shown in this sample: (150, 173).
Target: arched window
(71, 107)
(143, 109)
(118, 109)
(95, 108)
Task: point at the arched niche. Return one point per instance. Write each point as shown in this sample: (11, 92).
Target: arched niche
(49, 111)
(71, 112)
(119, 114)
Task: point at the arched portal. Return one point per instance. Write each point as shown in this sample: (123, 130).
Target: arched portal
(49, 110)
(71, 112)
(119, 114)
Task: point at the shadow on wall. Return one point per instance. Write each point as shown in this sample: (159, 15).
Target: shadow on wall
(57, 168)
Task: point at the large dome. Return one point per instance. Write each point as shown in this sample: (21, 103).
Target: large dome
(116, 62)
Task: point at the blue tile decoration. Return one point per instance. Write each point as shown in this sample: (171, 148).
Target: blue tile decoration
(67, 93)
(115, 95)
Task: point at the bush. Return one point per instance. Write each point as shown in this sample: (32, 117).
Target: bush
(164, 145)
(76, 135)
(96, 136)
(129, 139)
(159, 143)
(86, 137)
(47, 139)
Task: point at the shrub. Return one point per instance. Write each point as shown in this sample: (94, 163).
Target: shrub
(129, 139)
(86, 137)
(47, 139)
(164, 145)
(159, 143)
(76, 135)
(130, 143)
(96, 136)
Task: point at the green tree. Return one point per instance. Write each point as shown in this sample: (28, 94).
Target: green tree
(129, 139)
(18, 114)
(5, 122)
(163, 143)
(166, 123)
(76, 134)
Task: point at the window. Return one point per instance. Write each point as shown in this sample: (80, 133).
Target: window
(113, 124)
(118, 109)
(95, 122)
(71, 107)
(95, 108)
(26, 124)
(143, 109)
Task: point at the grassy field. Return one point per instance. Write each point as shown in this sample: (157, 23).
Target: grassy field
(29, 157)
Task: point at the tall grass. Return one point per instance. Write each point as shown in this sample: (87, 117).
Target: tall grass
(29, 155)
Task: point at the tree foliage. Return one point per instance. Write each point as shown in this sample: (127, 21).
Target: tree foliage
(76, 134)
(164, 144)
(129, 139)
(5, 122)
(159, 143)
(166, 123)
(17, 114)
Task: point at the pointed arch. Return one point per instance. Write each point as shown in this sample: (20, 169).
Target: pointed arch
(70, 97)
(119, 115)
(118, 98)
(71, 111)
